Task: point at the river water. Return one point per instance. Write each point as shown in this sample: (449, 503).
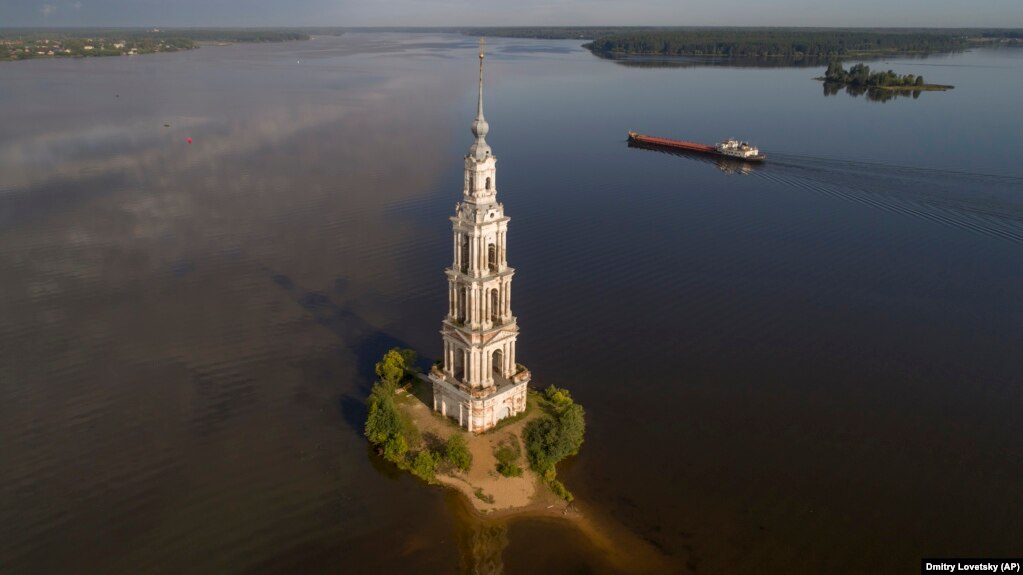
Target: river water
(811, 366)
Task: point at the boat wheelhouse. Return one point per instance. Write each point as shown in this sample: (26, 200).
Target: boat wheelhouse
(736, 149)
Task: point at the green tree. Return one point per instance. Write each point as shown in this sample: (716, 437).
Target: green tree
(555, 436)
(835, 72)
(425, 465)
(457, 452)
(384, 420)
(560, 397)
(396, 364)
(395, 448)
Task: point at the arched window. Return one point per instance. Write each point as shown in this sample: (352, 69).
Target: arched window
(488, 183)
(470, 182)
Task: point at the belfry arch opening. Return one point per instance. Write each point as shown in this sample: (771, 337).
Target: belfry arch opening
(464, 257)
(495, 314)
(488, 183)
(458, 366)
(498, 362)
(492, 257)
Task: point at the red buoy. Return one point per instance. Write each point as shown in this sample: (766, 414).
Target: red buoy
(190, 140)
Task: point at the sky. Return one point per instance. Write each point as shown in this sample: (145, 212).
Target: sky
(226, 13)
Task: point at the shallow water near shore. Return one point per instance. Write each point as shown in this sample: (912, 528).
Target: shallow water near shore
(810, 366)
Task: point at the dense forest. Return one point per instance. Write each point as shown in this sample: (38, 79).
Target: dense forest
(760, 42)
(557, 32)
(786, 43)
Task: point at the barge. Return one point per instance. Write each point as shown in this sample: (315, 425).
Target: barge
(730, 148)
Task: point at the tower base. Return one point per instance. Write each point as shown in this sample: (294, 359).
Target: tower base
(480, 409)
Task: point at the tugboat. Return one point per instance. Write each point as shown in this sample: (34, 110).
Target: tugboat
(730, 148)
(742, 150)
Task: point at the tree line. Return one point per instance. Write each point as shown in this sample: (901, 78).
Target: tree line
(763, 42)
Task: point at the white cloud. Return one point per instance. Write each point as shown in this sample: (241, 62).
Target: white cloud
(47, 10)
(77, 6)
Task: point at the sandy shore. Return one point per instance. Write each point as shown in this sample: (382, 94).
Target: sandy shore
(511, 495)
(527, 496)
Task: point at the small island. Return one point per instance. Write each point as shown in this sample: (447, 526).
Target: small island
(859, 75)
(501, 471)
(876, 86)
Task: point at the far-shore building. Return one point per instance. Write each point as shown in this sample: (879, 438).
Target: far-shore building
(478, 381)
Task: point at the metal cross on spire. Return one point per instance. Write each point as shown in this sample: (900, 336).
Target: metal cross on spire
(479, 108)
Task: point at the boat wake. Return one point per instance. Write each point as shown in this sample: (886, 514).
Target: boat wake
(936, 195)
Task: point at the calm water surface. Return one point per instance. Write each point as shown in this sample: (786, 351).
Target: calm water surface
(812, 366)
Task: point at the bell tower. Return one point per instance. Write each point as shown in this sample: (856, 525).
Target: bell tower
(479, 381)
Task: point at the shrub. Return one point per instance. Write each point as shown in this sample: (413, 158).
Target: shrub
(509, 469)
(424, 465)
(560, 397)
(395, 449)
(507, 455)
(559, 489)
(483, 496)
(457, 452)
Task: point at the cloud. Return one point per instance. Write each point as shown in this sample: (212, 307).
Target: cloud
(77, 6)
(48, 10)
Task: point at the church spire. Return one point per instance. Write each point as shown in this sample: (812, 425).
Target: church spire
(479, 149)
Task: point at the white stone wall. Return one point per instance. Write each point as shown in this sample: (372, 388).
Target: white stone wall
(478, 414)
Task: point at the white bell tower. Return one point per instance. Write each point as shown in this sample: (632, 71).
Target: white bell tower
(479, 381)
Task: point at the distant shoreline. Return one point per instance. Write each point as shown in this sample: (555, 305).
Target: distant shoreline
(20, 45)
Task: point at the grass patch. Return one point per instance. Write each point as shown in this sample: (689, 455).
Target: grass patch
(483, 496)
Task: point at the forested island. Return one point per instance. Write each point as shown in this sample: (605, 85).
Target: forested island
(27, 44)
(792, 43)
(877, 86)
(776, 43)
(860, 75)
(498, 470)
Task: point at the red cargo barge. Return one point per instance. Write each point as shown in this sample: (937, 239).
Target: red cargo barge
(730, 148)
